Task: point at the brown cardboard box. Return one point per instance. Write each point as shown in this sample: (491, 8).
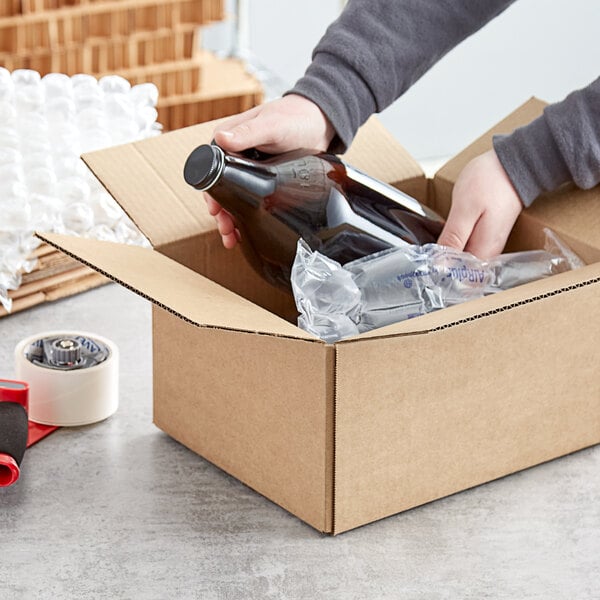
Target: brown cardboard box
(341, 435)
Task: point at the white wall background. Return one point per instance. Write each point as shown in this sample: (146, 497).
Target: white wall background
(536, 47)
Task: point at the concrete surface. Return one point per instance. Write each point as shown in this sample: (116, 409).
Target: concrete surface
(118, 510)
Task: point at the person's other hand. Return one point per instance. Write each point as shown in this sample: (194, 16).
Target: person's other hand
(484, 208)
(282, 125)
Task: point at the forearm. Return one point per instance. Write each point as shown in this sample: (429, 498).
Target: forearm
(562, 145)
(377, 49)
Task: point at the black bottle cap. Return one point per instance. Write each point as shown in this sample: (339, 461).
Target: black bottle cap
(203, 166)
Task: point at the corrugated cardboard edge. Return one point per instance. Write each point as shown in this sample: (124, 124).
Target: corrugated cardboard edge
(301, 334)
(334, 441)
(329, 495)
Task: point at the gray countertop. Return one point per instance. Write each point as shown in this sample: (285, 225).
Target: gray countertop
(120, 510)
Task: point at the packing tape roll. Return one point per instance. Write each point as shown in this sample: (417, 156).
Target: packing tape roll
(69, 397)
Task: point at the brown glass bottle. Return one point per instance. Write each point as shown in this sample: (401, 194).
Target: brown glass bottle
(336, 209)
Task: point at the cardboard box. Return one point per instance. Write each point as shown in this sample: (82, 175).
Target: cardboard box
(342, 435)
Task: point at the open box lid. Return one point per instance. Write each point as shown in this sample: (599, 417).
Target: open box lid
(146, 177)
(174, 287)
(570, 212)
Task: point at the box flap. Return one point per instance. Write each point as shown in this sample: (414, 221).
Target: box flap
(174, 287)
(146, 179)
(568, 211)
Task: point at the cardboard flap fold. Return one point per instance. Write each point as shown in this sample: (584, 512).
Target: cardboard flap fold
(174, 287)
(570, 212)
(146, 177)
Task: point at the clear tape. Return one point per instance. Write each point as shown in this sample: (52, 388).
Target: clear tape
(69, 397)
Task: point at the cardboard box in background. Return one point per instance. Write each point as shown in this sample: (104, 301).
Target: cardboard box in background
(341, 435)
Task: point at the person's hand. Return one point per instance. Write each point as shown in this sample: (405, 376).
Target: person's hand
(484, 208)
(282, 125)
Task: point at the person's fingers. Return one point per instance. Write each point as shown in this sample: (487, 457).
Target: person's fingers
(230, 240)
(458, 227)
(225, 223)
(226, 227)
(233, 121)
(258, 132)
(213, 206)
(278, 126)
(489, 235)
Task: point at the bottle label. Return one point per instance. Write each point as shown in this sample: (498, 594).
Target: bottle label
(305, 173)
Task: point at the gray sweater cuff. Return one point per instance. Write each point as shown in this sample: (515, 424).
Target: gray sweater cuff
(532, 160)
(337, 89)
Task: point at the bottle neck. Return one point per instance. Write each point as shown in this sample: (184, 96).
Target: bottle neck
(240, 179)
(216, 168)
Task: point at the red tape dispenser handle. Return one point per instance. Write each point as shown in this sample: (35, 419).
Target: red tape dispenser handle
(14, 429)
(16, 432)
(15, 391)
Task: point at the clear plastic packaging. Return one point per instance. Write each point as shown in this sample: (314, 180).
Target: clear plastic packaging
(336, 302)
(46, 123)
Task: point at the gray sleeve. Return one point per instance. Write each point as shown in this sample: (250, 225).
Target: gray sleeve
(562, 145)
(377, 49)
